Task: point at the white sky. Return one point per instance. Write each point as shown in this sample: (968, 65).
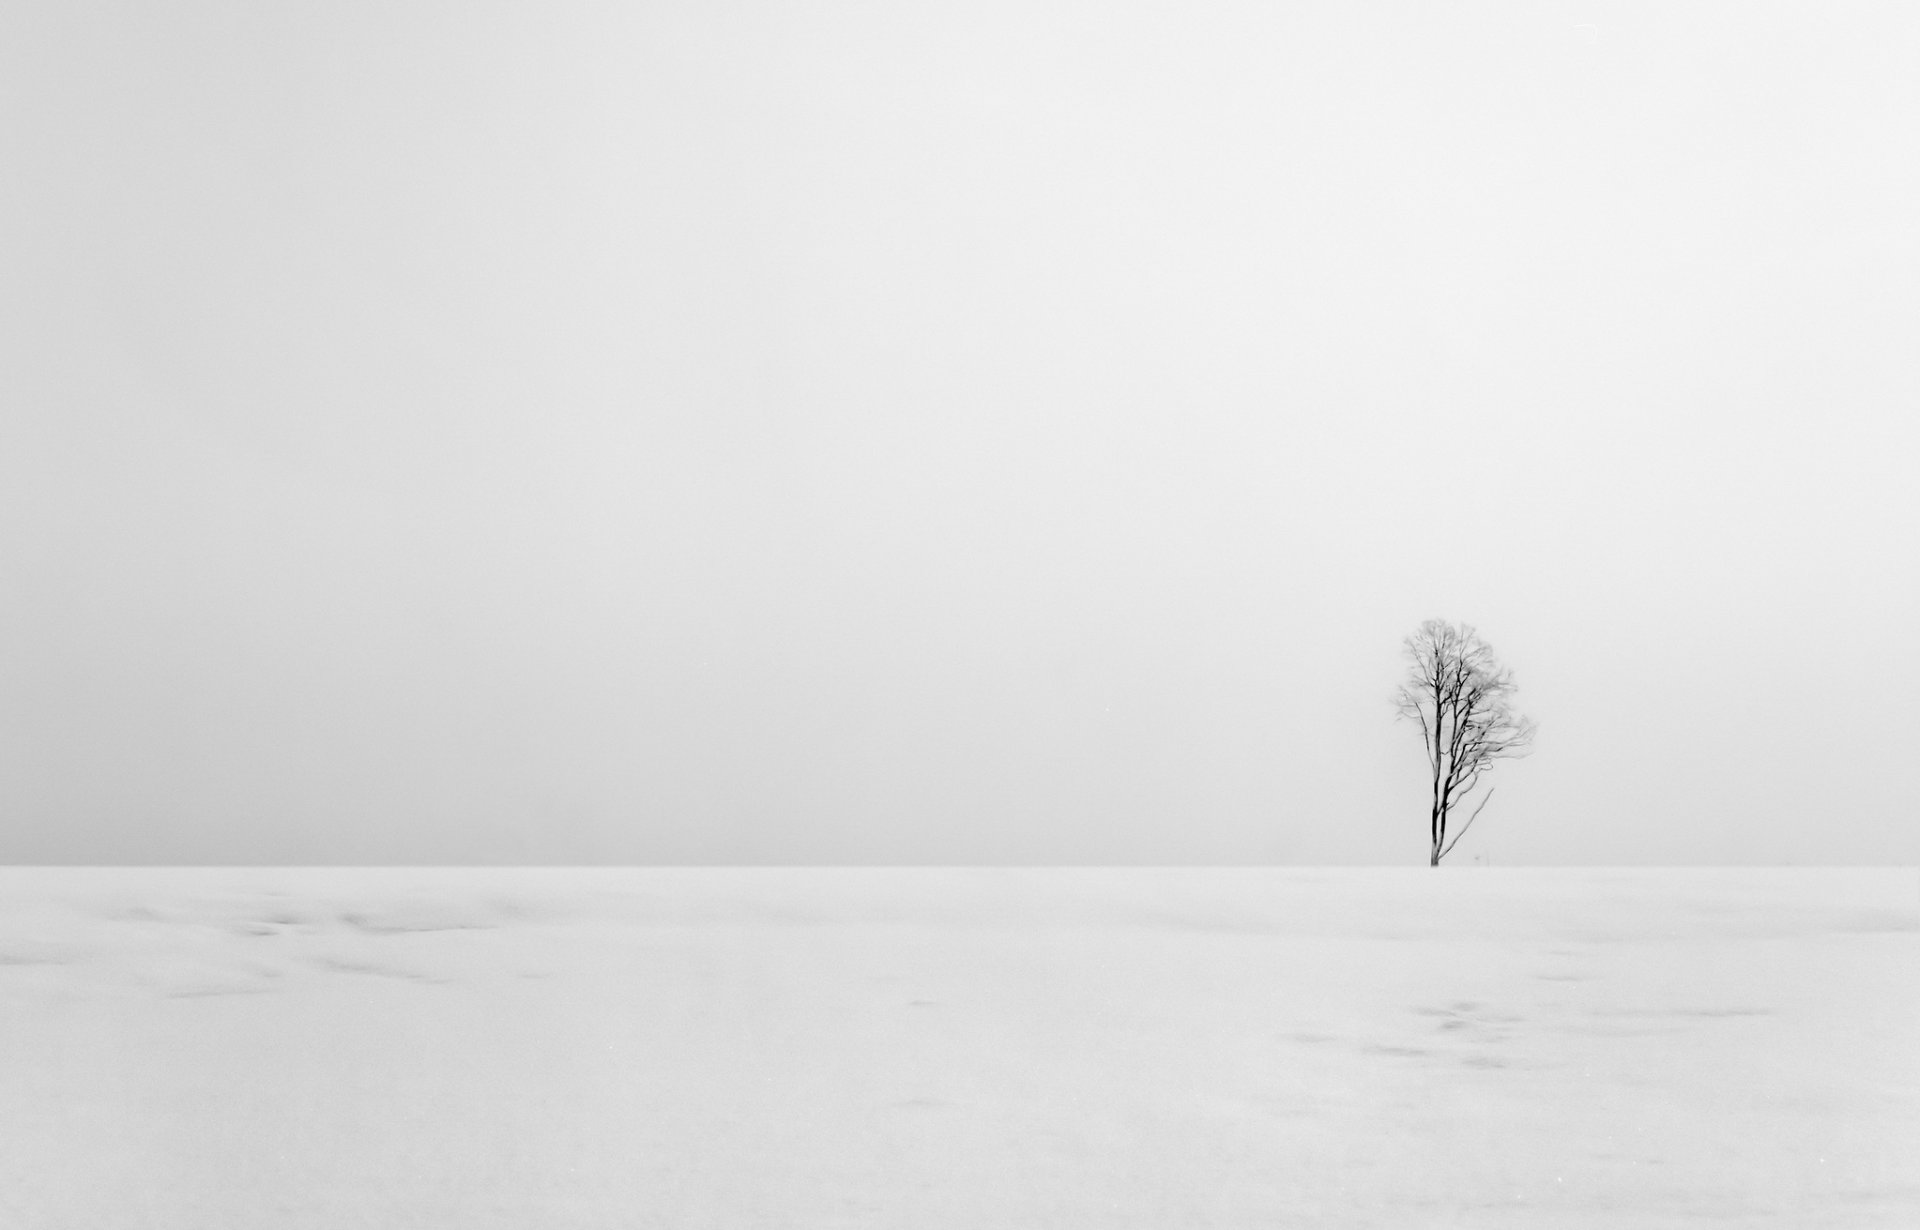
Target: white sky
(994, 432)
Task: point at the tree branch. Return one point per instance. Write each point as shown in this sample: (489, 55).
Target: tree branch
(1469, 823)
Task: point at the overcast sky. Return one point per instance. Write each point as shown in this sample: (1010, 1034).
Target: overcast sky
(988, 432)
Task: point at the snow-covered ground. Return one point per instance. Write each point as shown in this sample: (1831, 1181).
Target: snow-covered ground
(967, 1049)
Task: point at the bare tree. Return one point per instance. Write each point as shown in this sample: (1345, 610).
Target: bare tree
(1463, 700)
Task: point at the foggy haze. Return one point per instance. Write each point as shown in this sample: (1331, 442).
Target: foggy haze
(990, 433)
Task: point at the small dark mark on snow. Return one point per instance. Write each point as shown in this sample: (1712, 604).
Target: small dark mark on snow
(361, 967)
(210, 992)
(27, 958)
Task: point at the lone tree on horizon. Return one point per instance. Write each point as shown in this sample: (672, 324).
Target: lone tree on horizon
(1462, 697)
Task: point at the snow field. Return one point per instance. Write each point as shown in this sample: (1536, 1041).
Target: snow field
(738, 1048)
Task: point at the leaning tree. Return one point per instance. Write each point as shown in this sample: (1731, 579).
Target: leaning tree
(1463, 700)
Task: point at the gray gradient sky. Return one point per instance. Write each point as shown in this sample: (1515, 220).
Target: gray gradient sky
(987, 432)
